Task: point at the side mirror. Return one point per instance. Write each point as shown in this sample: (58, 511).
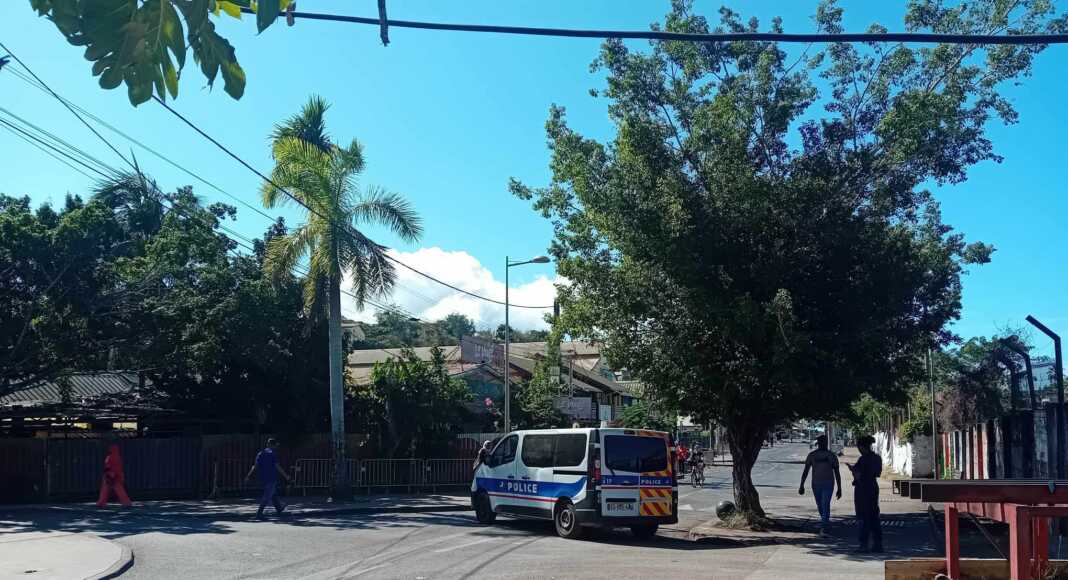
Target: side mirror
(491, 462)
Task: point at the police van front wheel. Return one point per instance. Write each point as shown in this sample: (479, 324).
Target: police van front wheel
(566, 521)
(483, 510)
(644, 532)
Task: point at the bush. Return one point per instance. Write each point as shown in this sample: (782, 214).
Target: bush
(915, 426)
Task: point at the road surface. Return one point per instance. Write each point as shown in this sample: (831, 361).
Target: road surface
(454, 546)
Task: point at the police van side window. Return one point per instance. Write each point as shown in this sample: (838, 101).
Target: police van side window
(570, 450)
(505, 452)
(538, 450)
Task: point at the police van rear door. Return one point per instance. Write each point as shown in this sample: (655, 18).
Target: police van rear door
(636, 478)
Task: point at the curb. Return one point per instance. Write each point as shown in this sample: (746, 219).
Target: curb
(125, 561)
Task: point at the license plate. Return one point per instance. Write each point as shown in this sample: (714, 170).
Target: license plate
(620, 506)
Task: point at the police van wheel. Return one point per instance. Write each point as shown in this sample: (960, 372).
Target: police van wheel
(566, 520)
(644, 532)
(483, 510)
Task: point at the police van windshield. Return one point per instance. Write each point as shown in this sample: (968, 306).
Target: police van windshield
(635, 454)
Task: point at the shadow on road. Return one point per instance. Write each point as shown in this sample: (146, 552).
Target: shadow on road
(114, 524)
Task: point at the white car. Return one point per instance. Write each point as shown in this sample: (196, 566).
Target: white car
(579, 477)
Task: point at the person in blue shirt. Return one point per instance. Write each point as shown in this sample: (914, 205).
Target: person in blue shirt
(269, 469)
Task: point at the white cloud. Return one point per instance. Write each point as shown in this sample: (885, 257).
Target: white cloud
(429, 300)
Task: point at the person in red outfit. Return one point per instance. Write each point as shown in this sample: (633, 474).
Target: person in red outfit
(114, 479)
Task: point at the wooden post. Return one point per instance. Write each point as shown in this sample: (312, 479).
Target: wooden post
(1019, 541)
(953, 542)
(1041, 540)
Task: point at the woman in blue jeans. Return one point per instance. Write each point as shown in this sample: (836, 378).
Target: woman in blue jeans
(823, 464)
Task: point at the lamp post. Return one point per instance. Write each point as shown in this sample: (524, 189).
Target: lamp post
(1058, 368)
(507, 335)
(1013, 344)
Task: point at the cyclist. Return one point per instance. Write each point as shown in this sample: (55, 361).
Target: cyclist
(697, 465)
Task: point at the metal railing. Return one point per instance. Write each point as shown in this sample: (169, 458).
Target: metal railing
(444, 472)
(392, 473)
(413, 474)
(312, 474)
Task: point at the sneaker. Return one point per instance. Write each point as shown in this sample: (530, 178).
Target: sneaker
(283, 508)
(862, 550)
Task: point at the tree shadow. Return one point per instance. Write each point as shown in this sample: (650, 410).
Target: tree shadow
(114, 524)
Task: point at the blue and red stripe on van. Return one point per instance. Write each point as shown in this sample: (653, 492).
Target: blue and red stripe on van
(543, 491)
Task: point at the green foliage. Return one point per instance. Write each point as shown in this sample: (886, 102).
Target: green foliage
(411, 406)
(642, 415)
(392, 329)
(143, 43)
(756, 250)
(156, 289)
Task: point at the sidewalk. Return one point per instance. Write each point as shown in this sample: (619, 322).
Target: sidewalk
(246, 508)
(796, 550)
(84, 556)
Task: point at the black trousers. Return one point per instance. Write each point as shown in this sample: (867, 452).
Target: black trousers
(869, 526)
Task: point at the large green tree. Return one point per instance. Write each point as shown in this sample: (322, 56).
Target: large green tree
(322, 176)
(756, 242)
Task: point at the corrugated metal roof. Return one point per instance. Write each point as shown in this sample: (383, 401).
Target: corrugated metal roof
(82, 386)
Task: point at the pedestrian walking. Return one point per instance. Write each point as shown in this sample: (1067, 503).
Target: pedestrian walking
(114, 480)
(866, 472)
(267, 465)
(826, 475)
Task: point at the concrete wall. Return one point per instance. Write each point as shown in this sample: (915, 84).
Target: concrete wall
(906, 458)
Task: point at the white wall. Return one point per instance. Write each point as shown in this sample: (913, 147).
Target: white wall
(909, 459)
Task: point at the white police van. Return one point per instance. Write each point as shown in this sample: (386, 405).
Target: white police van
(579, 477)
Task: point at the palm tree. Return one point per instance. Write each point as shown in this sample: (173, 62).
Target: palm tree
(322, 176)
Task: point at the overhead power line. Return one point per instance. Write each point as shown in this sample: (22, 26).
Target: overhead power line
(348, 229)
(92, 160)
(75, 113)
(105, 171)
(909, 37)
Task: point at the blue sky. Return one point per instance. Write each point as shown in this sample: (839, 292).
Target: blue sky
(447, 118)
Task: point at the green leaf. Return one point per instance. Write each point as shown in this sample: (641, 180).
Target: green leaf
(111, 78)
(228, 7)
(266, 13)
(172, 33)
(170, 76)
(234, 79)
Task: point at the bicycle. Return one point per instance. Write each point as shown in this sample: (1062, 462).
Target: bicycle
(697, 474)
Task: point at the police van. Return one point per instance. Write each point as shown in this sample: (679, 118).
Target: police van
(580, 477)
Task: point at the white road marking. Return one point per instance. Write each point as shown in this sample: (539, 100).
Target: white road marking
(685, 508)
(451, 548)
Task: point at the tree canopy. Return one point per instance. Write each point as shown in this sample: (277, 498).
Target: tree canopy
(756, 242)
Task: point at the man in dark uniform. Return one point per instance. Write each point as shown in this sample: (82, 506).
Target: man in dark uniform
(866, 472)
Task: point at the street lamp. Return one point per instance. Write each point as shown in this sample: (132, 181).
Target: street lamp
(507, 331)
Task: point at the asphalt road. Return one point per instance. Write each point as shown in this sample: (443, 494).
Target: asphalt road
(453, 545)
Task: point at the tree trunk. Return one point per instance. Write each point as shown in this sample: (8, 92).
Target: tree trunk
(745, 442)
(341, 491)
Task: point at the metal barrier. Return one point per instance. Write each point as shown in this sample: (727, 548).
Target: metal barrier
(448, 472)
(371, 473)
(392, 473)
(228, 475)
(312, 473)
